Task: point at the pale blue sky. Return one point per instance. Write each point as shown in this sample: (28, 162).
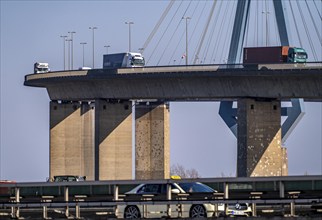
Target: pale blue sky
(30, 32)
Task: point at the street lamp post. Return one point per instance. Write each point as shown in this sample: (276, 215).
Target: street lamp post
(83, 44)
(266, 25)
(93, 28)
(72, 47)
(107, 48)
(187, 18)
(68, 54)
(129, 23)
(64, 39)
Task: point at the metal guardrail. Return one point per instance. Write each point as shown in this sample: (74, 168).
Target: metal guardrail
(73, 195)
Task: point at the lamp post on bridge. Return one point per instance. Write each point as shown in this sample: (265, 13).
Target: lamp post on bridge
(93, 28)
(83, 44)
(72, 47)
(266, 13)
(64, 52)
(107, 46)
(68, 54)
(186, 18)
(129, 23)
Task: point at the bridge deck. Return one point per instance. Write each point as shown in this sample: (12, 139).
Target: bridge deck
(185, 83)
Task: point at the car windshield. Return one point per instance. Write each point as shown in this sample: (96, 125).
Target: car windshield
(301, 54)
(195, 187)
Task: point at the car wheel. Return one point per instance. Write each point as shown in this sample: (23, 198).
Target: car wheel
(198, 211)
(132, 212)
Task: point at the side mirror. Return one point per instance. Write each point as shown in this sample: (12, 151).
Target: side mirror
(175, 191)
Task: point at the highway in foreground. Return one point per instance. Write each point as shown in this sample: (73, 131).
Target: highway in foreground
(268, 196)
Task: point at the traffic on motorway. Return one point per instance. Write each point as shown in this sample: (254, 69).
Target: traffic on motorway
(176, 198)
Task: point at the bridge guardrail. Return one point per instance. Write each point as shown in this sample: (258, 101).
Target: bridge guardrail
(272, 190)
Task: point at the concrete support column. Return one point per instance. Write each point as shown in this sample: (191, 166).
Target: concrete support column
(152, 147)
(71, 139)
(259, 139)
(113, 140)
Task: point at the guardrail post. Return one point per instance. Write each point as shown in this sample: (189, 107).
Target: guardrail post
(17, 200)
(45, 199)
(282, 189)
(66, 196)
(255, 195)
(216, 197)
(293, 196)
(292, 208)
(78, 199)
(169, 198)
(44, 212)
(226, 195)
(116, 198)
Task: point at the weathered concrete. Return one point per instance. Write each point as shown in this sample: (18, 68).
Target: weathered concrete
(113, 140)
(71, 139)
(152, 155)
(99, 149)
(259, 139)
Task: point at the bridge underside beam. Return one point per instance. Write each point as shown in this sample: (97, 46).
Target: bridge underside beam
(259, 147)
(152, 144)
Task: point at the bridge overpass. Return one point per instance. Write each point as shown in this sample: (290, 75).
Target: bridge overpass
(185, 83)
(91, 115)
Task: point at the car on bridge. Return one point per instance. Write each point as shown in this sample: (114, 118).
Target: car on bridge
(193, 191)
(67, 178)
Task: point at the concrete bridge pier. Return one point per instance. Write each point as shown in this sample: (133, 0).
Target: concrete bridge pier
(71, 139)
(91, 139)
(152, 143)
(260, 151)
(113, 140)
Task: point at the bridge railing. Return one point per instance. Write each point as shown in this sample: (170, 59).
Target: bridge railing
(66, 195)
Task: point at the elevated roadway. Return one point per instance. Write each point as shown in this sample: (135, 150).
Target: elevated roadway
(185, 83)
(90, 108)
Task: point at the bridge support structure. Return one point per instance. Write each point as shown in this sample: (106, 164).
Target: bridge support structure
(71, 139)
(91, 139)
(94, 139)
(152, 143)
(252, 148)
(113, 140)
(259, 138)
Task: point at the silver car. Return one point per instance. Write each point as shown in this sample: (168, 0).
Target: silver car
(158, 211)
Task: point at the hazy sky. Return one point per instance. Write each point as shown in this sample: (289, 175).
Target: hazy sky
(31, 30)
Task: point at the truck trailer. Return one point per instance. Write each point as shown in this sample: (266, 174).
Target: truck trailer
(270, 55)
(118, 60)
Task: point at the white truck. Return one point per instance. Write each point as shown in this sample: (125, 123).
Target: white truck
(41, 68)
(118, 60)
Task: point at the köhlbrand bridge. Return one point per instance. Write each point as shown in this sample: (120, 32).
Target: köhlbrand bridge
(91, 111)
(91, 115)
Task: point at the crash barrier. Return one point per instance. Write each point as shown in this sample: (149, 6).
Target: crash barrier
(72, 199)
